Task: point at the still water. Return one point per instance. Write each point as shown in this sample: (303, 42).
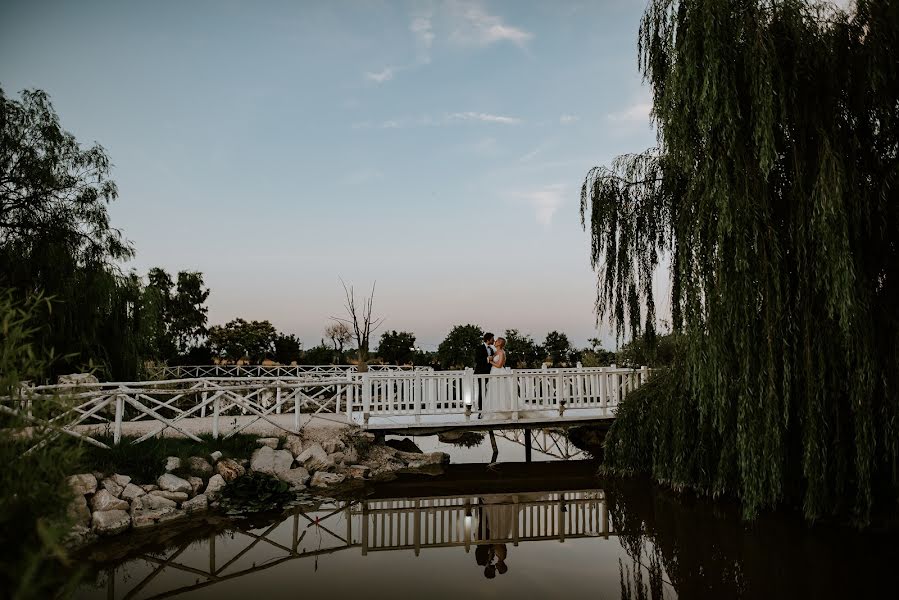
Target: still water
(488, 529)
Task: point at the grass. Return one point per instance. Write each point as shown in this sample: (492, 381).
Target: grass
(145, 462)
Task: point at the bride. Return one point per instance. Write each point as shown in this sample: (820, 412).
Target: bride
(499, 393)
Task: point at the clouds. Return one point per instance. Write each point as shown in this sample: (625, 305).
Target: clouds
(472, 25)
(545, 201)
(635, 113)
(568, 119)
(430, 121)
(386, 74)
(484, 118)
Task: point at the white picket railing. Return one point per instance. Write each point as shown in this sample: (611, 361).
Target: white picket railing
(375, 399)
(195, 371)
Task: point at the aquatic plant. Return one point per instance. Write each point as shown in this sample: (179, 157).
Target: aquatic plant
(773, 193)
(255, 492)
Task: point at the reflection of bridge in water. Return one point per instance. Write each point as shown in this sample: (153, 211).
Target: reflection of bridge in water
(410, 524)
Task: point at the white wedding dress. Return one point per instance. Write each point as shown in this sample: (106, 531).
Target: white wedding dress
(499, 395)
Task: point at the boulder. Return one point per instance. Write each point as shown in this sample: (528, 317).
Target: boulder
(196, 504)
(294, 443)
(350, 455)
(271, 462)
(152, 502)
(146, 510)
(270, 442)
(174, 496)
(149, 487)
(82, 484)
(110, 522)
(416, 461)
(336, 458)
(132, 491)
(122, 480)
(79, 511)
(229, 469)
(112, 487)
(215, 486)
(323, 479)
(315, 458)
(172, 463)
(333, 445)
(196, 484)
(215, 457)
(76, 379)
(358, 472)
(404, 445)
(297, 478)
(103, 501)
(173, 483)
(199, 465)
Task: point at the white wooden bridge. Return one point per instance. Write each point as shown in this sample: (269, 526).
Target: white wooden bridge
(385, 525)
(410, 400)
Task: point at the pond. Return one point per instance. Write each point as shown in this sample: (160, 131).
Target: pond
(487, 529)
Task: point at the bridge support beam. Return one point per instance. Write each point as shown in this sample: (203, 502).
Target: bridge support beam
(527, 444)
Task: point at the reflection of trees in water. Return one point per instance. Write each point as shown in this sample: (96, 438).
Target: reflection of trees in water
(704, 550)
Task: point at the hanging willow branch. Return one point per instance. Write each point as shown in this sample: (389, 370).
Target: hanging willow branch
(774, 192)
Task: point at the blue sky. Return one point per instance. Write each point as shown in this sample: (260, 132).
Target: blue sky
(437, 148)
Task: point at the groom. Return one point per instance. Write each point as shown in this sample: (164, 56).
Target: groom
(482, 366)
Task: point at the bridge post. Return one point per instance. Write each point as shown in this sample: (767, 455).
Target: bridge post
(468, 391)
(560, 392)
(297, 405)
(603, 388)
(350, 396)
(119, 412)
(364, 526)
(417, 395)
(216, 409)
(561, 522)
(644, 374)
(615, 385)
(366, 398)
(205, 395)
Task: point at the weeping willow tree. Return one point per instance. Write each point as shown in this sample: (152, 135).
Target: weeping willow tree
(772, 195)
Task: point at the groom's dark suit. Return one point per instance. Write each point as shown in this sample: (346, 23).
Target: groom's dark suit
(481, 367)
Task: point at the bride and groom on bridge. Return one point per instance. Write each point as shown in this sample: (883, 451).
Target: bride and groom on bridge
(490, 359)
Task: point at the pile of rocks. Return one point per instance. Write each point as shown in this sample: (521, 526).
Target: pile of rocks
(108, 504)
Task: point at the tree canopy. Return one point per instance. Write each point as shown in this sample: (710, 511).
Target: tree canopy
(457, 348)
(396, 347)
(773, 192)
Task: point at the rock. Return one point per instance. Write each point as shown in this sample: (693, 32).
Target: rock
(294, 443)
(146, 510)
(110, 522)
(122, 480)
(315, 458)
(196, 484)
(270, 442)
(403, 445)
(103, 501)
(79, 512)
(215, 457)
(197, 504)
(333, 445)
(173, 483)
(199, 465)
(82, 484)
(149, 487)
(175, 514)
(416, 461)
(152, 502)
(76, 379)
(297, 478)
(365, 436)
(215, 486)
(132, 491)
(229, 469)
(174, 496)
(271, 462)
(350, 456)
(112, 487)
(172, 463)
(323, 479)
(358, 472)
(336, 458)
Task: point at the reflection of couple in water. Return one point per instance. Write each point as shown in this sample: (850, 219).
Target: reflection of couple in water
(498, 515)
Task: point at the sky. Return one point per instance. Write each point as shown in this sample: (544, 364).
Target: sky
(435, 148)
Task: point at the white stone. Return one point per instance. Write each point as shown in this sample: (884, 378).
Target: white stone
(350, 456)
(103, 500)
(229, 469)
(82, 484)
(172, 463)
(122, 480)
(196, 484)
(174, 496)
(173, 483)
(131, 492)
(336, 458)
(149, 487)
(333, 445)
(112, 487)
(324, 479)
(271, 462)
(147, 509)
(270, 442)
(76, 379)
(215, 486)
(197, 504)
(313, 451)
(152, 502)
(215, 457)
(294, 443)
(110, 522)
(199, 465)
(79, 512)
(297, 478)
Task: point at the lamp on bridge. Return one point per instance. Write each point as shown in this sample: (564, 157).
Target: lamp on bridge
(467, 525)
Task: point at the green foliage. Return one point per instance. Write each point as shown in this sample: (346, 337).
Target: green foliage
(318, 355)
(773, 191)
(521, 350)
(288, 349)
(596, 355)
(237, 339)
(640, 352)
(559, 350)
(255, 492)
(34, 497)
(457, 349)
(145, 462)
(396, 347)
(177, 315)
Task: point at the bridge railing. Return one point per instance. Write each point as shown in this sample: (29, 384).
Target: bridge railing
(514, 393)
(161, 372)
